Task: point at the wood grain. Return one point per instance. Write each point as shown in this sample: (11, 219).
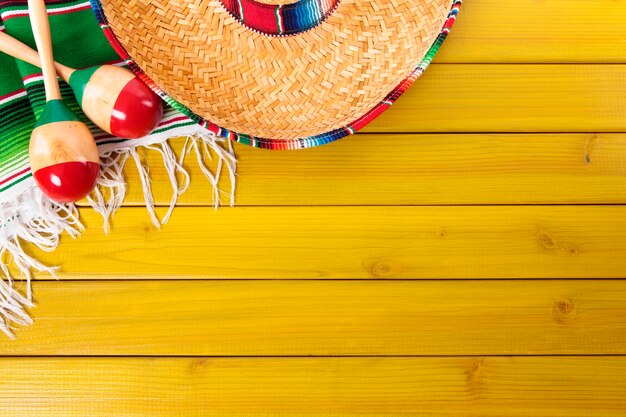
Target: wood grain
(352, 242)
(60, 142)
(404, 169)
(41, 32)
(511, 98)
(320, 318)
(455, 201)
(528, 31)
(11, 46)
(461, 386)
(101, 93)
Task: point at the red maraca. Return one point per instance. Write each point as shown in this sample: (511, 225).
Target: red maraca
(115, 100)
(112, 97)
(63, 154)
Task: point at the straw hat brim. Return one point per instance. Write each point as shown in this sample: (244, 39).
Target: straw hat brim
(281, 92)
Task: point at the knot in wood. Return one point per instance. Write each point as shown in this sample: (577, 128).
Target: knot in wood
(563, 309)
(381, 269)
(546, 240)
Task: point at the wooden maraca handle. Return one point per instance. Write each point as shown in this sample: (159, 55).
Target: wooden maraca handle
(41, 31)
(62, 152)
(112, 97)
(11, 46)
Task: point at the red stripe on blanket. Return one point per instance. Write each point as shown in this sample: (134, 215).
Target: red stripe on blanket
(15, 93)
(31, 77)
(51, 12)
(17, 174)
(174, 120)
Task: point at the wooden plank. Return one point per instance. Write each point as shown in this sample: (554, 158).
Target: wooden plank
(511, 98)
(392, 169)
(319, 318)
(461, 386)
(526, 31)
(352, 242)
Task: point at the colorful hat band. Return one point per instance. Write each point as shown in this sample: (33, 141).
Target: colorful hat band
(285, 144)
(280, 20)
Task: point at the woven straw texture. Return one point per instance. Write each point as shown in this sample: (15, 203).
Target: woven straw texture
(285, 87)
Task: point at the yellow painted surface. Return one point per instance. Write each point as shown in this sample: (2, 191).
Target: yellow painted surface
(309, 317)
(536, 31)
(353, 242)
(511, 98)
(507, 159)
(435, 169)
(374, 386)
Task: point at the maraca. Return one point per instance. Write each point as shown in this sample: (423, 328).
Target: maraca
(63, 154)
(112, 97)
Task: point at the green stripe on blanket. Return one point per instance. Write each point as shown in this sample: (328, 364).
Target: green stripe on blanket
(25, 214)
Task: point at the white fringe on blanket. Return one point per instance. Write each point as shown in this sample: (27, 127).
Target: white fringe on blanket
(33, 218)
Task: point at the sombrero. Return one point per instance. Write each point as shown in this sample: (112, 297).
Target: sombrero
(278, 74)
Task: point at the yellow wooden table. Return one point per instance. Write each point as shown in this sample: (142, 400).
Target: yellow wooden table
(465, 256)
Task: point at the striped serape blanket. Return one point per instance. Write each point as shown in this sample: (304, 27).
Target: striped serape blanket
(26, 215)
